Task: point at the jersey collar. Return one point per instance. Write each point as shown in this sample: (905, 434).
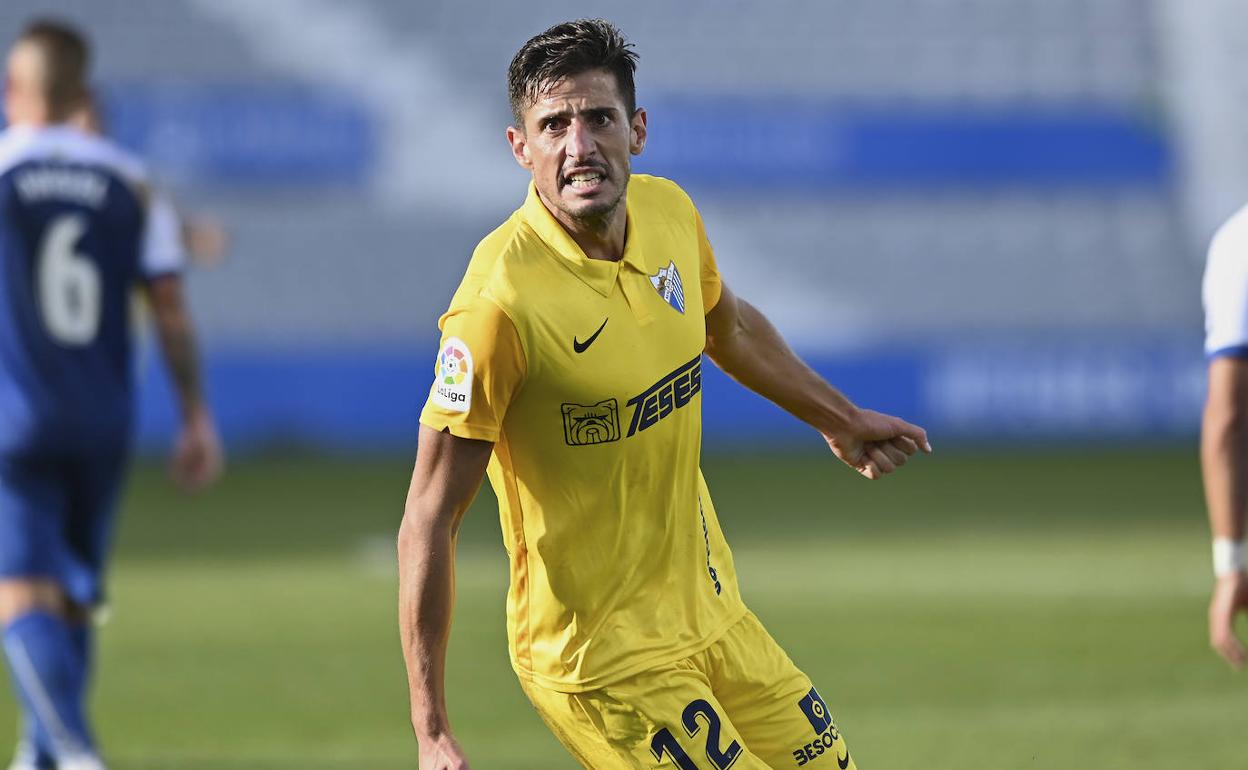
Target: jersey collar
(600, 275)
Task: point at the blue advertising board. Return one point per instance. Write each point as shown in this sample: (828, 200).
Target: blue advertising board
(748, 143)
(993, 390)
(242, 134)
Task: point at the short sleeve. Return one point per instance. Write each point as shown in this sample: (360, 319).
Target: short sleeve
(163, 252)
(479, 367)
(1225, 290)
(712, 286)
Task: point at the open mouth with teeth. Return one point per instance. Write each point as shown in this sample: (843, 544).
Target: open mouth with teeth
(585, 180)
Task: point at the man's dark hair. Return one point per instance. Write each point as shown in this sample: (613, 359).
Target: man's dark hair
(569, 49)
(66, 57)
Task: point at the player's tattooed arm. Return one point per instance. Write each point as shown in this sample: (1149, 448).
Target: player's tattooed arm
(745, 344)
(198, 457)
(447, 475)
(177, 340)
(1224, 466)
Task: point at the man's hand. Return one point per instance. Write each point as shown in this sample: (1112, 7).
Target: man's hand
(197, 456)
(876, 444)
(1230, 596)
(441, 753)
(743, 343)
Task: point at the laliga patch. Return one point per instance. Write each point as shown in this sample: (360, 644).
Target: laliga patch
(816, 711)
(452, 388)
(669, 286)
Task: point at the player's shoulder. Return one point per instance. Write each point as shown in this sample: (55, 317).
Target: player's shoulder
(1226, 264)
(1230, 241)
(487, 278)
(476, 314)
(17, 145)
(1226, 277)
(658, 193)
(507, 260)
(21, 144)
(508, 239)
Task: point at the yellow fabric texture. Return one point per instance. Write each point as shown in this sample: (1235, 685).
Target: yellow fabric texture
(761, 702)
(587, 376)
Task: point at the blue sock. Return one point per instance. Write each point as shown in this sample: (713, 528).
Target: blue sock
(49, 672)
(83, 637)
(36, 746)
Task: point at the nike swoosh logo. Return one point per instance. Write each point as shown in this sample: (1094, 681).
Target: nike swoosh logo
(843, 763)
(581, 347)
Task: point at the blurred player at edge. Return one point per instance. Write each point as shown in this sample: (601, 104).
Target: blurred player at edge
(79, 230)
(571, 365)
(1224, 431)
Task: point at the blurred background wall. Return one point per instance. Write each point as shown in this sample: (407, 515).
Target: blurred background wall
(986, 215)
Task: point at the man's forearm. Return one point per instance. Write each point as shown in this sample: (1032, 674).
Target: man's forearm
(1224, 466)
(754, 354)
(426, 597)
(177, 342)
(445, 479)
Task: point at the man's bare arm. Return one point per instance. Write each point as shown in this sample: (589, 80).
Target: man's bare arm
(198, 458)
(742, 342)
(1224, 466)
(447, 475)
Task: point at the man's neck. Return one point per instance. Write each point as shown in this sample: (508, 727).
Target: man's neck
(600, 238)
(32, 117)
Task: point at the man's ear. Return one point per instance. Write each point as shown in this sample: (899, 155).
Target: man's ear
(637, 138)
(519, 147)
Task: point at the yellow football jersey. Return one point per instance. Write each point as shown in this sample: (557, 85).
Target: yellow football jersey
(587, 375)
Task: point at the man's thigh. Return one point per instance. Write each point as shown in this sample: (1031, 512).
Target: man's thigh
(665, 718)
(781, 715)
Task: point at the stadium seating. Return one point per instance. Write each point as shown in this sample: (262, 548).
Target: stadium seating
(370, 259)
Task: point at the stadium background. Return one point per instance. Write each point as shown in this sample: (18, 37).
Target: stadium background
(987, 216)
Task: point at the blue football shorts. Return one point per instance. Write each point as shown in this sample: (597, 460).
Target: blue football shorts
(56, 518)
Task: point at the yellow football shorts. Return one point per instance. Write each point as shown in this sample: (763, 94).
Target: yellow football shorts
(740, 703)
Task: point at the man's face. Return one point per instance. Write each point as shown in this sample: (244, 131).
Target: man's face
(24, 75)
(577, 139)
(12, 85)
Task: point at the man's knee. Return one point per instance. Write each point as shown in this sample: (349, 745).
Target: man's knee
(19, 596)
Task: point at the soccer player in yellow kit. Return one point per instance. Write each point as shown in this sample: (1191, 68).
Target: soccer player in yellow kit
(570, 371)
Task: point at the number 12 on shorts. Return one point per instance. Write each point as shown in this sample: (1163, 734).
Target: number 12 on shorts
(665, 744)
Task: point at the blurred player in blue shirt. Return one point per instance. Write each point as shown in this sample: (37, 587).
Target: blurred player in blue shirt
(80, 229)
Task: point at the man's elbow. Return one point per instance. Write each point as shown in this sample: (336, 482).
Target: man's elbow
(721, 345)
(714, 348)
(1226, 425)
(424, 529)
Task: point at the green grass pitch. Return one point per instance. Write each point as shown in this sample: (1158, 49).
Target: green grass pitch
(986, 610)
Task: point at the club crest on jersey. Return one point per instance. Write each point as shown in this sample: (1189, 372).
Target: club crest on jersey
(669, 286)
(452, 386)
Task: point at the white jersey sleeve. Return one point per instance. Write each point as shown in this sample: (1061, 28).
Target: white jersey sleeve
(1225, 289)
(163, 252)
